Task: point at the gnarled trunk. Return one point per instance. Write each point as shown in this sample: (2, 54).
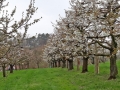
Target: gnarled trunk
(85, 65)
(113, 67)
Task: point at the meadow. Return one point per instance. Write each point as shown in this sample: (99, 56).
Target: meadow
(60, 79)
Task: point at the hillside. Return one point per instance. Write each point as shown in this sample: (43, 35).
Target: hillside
(36, 41)
(60, 79)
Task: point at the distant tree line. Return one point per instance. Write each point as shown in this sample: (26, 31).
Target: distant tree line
(36, 41)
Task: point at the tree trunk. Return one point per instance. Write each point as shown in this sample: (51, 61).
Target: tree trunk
(22, 66)
(53, 65)
(59, 63)
(3, 70)
(11, 68)
(19, 66)
(78, 64)
(63, 63)
(67, 64)
(85, 65)
(113, 67)
(28, 65)
(70, 64)
(96, 61)
(15, 66)
(55, 62)
(96, 65)
(38, 65)
(92, 61)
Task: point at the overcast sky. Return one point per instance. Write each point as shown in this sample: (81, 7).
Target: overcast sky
(48, 9)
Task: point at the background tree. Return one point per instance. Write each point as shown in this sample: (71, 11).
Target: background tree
(9, 28)
(107, 32)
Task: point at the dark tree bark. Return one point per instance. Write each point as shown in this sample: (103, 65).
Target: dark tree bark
(78, 64)
(59, 64)
(92, 61)
(51, 64)
(63, 63)
(3, 70)
(11, 68)
(113, 67)
(55, 63)
(85, 65)
(70, 64)
(67, 63)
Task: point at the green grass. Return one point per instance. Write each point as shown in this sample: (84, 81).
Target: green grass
(60, 79)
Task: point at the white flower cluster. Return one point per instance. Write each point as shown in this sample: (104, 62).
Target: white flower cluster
(10, 35)
(87, 22)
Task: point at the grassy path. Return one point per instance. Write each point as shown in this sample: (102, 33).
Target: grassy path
(60, 79)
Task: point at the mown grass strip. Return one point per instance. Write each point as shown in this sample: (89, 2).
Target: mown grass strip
(60, 79)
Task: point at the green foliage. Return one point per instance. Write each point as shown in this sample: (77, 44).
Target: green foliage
(60, 79)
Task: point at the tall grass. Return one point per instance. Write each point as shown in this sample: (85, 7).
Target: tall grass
(60, 79)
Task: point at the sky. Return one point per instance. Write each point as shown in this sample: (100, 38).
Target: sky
(49, 10)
